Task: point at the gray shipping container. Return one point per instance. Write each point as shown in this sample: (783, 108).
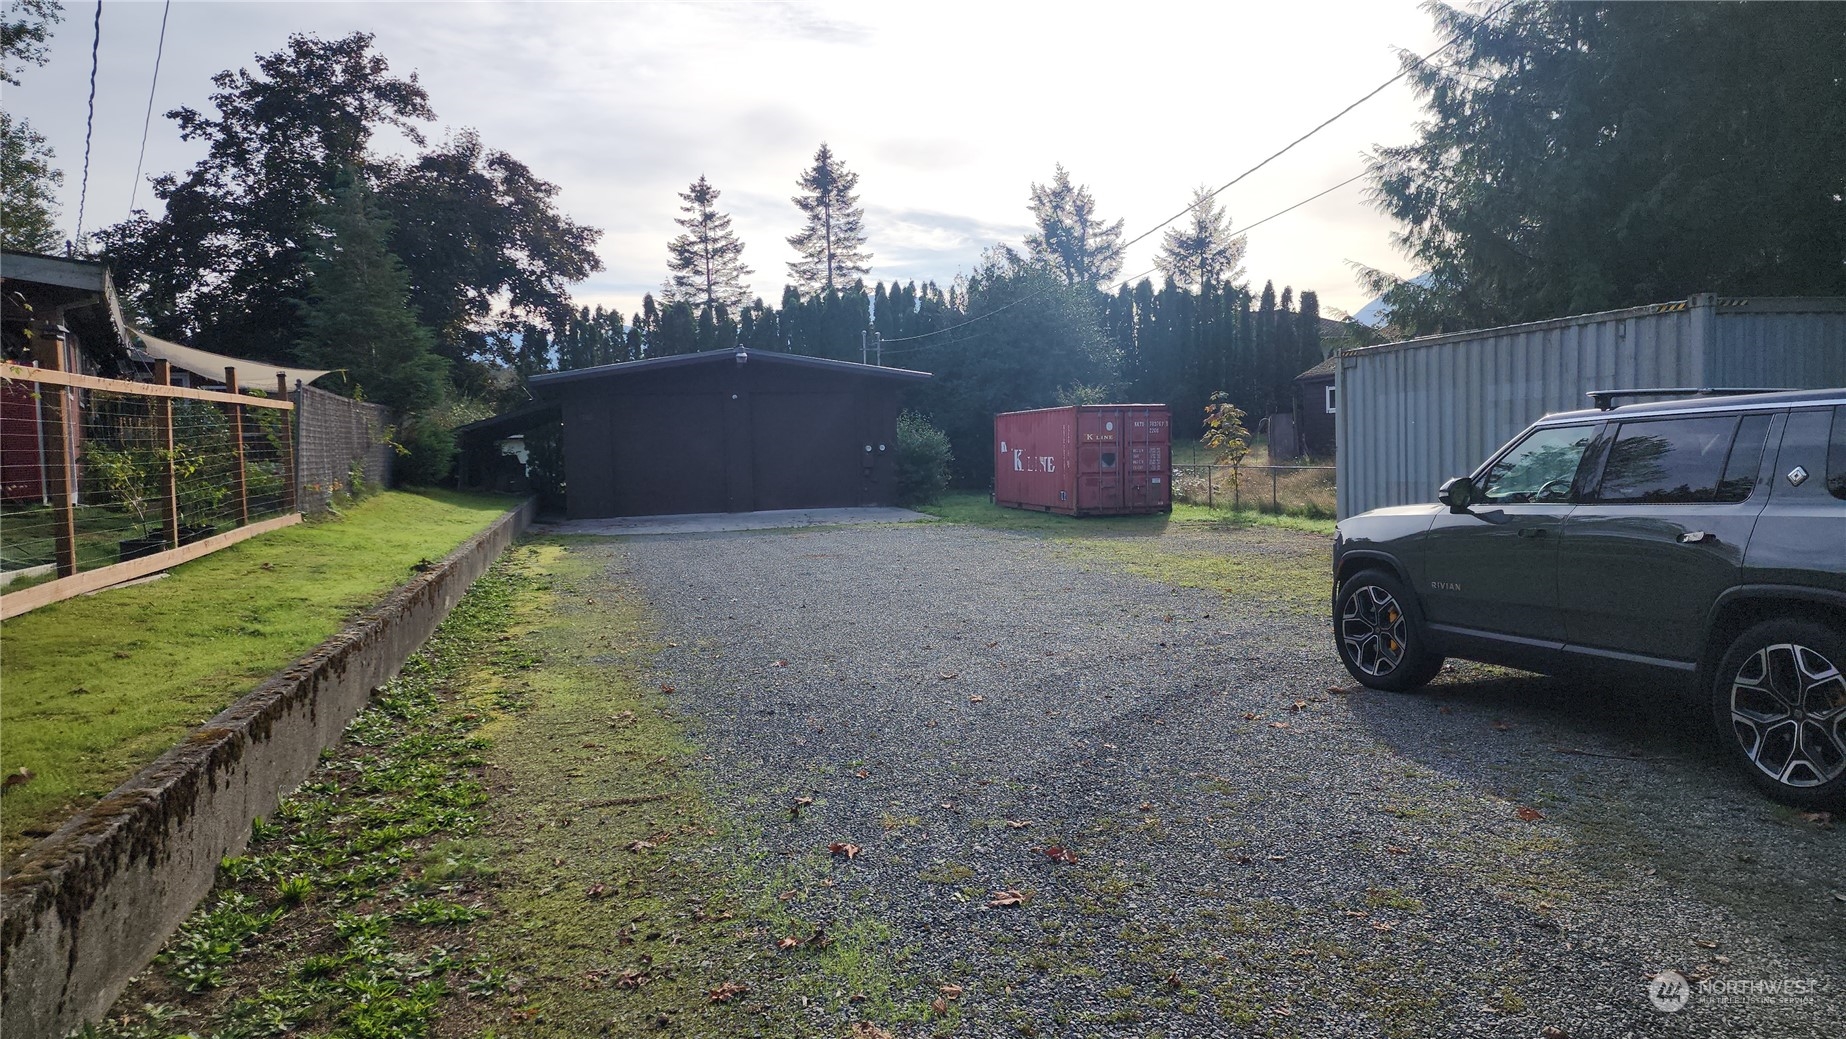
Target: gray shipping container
(1412, 414)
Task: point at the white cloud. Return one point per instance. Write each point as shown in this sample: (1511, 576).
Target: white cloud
(947, 112)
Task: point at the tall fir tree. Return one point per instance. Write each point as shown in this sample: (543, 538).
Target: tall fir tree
(1071, 239)
(832, 243)
(357, 316)
(1202, 253)
(706, 263)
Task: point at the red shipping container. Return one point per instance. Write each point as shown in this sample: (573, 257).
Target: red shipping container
(1089, 460)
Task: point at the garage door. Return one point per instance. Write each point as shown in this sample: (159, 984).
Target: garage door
(805, 450)
(669, 455)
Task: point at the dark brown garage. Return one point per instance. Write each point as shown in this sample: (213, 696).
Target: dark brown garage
(727, 431)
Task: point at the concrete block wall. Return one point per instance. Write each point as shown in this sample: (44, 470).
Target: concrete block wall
(87, 907)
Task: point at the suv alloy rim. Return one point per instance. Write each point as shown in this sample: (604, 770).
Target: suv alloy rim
(1788, 707)
(1372, 630)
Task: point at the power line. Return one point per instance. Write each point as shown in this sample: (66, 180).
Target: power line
(1374, 92)
(1131, 279)
(89, 124)
(148, 119)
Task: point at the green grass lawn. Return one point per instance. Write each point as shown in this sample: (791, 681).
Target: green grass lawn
(977, 509)
(93, 688)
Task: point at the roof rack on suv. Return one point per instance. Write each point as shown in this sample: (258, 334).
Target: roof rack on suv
(1605, 399)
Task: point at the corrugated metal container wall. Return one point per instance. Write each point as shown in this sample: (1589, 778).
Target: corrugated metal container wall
(1108, 459)
(1413, 414)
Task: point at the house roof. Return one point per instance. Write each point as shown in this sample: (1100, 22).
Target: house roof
(1323, 370)
(529, 416)
(71, 285)
(626, 368)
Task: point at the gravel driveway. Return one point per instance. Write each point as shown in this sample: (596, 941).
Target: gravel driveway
(1260, 848)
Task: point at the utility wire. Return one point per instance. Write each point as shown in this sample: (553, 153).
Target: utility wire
(1131, 279)
(1374, 92)
(148, 119)
(89, 124)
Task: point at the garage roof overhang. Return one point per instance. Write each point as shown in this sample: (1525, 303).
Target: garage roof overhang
(542, 384)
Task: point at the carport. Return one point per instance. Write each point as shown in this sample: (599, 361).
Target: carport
(727, 431)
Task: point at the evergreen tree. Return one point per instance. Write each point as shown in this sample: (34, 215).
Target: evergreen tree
(1587, 156)
(832, 244)
(1070, 238)
(706, 263)
(357, 316)
(1202, 253)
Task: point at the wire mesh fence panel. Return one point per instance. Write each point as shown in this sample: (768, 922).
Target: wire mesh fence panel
(95, 473)
(1296, 490)
(342, 441)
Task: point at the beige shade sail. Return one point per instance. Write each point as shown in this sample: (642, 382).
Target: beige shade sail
(251, 375)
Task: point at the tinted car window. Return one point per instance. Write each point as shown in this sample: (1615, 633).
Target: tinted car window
(1668, 462)
(1746, 458)
(1539, 468)
(1836, 454)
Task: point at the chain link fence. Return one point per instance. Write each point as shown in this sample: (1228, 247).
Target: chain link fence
(1296, 490)
(340, 441)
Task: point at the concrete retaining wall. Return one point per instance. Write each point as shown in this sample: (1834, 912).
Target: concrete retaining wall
(90, 905)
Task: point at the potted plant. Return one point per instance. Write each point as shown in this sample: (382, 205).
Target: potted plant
(131, 477)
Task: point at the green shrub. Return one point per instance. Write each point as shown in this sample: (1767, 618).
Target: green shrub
(923, 460)
(426, 452)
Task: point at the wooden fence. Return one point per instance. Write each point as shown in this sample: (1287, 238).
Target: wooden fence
(86, 460)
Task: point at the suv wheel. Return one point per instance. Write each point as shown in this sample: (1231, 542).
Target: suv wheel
(1380, 635)
(1779, 700)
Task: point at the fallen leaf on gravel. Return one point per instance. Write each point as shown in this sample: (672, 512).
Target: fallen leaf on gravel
(1278, 725)
(868, 1030)
(1554, 1032)
(787, 896)
(640, 846)
(950, 991)
(1383, 925)
(1009, 897)
(1018, 824)
(1147, 806)
(788, 943)
(862, 774)
(1282, 1011)
(1529, 815)
(1278, 858)
(1724, 960)
(991, 645)
(977, 699)
(780, 663)
(858, 997)
(1500, 726)
(1340, 690)
(930, 724)
(1058, 853)
(803, 802)
(842, 848)
(1359, 914)
(1395, 850)
(1705, 943)
(1817, 818)
(1173, 980)
(1297, 705)
(939, 1005)
(1250, 716)
(595, 891)
(949, 676)
(728, 991)
(665, 688)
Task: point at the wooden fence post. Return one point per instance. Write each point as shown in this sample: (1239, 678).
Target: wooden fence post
(237, 444)
(163, 374)
(291, 423)
(61, 475)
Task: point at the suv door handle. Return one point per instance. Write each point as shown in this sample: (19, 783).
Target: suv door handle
(1531, 532)
(1696, 537)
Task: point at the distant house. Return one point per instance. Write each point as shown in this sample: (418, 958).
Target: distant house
(1316, 402)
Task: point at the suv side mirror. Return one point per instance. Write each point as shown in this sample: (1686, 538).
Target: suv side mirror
(1457, 493)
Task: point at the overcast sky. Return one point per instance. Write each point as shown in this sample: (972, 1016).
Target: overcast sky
(948, 113)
